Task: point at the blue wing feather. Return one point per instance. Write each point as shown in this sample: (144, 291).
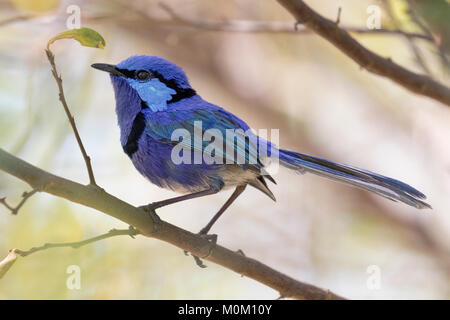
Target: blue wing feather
(162, 125)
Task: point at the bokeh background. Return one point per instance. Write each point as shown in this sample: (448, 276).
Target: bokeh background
(318, 231)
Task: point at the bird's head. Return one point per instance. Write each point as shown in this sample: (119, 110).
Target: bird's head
(156, 81)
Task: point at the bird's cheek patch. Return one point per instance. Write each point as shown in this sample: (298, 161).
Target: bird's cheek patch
(153, 92)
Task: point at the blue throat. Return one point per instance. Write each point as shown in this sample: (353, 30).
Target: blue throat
(153, 93)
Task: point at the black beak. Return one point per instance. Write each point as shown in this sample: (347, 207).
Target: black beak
(112, 69)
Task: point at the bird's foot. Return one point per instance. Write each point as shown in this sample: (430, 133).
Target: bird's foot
(212, 238)
(208, 236)
(151, 206)
(150, 210)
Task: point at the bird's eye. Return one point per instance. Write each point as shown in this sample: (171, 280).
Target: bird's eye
(142, 75)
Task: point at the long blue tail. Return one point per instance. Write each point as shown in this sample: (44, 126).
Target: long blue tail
(387, 187)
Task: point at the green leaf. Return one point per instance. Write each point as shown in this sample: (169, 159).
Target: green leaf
(85, 36)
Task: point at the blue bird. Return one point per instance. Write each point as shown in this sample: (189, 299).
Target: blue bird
(154, 98)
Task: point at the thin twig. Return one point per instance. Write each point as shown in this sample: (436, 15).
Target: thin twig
(25, 197)
(338, 18)
(87, 159)
(75, 245)
(414, 48)
(416, 20)
(281, 27)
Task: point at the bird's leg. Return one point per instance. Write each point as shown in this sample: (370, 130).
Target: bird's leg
(163, 203)
(152, 206)
(213, 237)
(236, 193)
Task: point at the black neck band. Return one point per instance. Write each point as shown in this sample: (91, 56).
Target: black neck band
(181, 93)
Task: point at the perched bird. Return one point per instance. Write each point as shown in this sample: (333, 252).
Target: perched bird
(154, 98)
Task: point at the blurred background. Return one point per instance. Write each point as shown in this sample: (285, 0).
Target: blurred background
(318, 231)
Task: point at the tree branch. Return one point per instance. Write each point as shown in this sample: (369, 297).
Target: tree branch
(367, 59)
(75, 245)
(87, 159)
(148, 224)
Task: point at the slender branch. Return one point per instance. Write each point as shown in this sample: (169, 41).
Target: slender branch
(87, 159)
(75, 245)
(414, 48)
(416, 20)
(367, 59)
(148, 224)
(272, 26)
(25, 197)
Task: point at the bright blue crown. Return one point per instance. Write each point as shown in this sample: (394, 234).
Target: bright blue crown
(166, 69)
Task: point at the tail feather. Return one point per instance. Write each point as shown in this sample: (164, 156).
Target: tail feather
(384, 186)
(260, 184)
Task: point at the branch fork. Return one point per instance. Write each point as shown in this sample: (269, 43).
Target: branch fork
(25, 196)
